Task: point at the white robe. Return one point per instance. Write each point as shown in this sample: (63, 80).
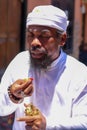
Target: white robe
(59, 92)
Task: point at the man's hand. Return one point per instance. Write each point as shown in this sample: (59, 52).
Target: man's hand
(22, 88)
(34, 122)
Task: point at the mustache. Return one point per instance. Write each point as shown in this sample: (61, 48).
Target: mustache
(35, 48)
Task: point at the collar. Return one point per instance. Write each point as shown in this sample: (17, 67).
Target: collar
(59, 62)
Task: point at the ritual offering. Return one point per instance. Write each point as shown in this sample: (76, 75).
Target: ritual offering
(26, 79)
(31, 110)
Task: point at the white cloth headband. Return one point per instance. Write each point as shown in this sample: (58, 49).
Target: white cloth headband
(48, 16)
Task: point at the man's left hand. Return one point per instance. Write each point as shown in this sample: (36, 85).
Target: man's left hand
(35, 122)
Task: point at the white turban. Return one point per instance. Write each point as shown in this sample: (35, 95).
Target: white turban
(48, 15)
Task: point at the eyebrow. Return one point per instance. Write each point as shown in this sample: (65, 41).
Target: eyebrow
(31, 30)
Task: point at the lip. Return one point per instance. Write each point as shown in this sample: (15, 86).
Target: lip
(37, 55)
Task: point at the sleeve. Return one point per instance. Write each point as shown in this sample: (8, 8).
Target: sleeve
(6, 105)
(78, 119)
(16, 69)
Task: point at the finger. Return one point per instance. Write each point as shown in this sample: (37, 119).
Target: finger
(37, 122)
(29, 90)
(27, 105)
(29, 123)
(19, 81)
(18, 88)
(18, 85)
(34, 127)
(25, 84)
(34, 124)
(26, 118)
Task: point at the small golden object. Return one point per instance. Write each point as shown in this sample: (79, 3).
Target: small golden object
(26, 79)
(31, 110)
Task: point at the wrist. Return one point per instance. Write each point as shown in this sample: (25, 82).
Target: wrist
(13, 97)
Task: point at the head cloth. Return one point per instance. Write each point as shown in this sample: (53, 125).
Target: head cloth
(48, 15)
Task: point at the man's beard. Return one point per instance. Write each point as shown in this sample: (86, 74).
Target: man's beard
(41, 63)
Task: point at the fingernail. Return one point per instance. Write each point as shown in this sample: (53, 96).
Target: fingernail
(31, 78)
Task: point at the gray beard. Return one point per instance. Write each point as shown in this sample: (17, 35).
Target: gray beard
(41, 63)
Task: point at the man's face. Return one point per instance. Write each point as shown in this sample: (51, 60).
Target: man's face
(43, 45)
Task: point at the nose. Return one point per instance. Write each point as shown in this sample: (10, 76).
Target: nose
(36, 42)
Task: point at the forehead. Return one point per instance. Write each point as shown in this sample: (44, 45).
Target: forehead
(39, 28)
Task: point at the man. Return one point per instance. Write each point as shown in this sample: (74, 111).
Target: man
(56, 83)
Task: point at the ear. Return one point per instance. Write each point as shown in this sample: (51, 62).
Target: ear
(63, 39)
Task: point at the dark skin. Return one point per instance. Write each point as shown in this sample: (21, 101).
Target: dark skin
(35, 122)
(52, 43)
(22, 85)
(47, 40)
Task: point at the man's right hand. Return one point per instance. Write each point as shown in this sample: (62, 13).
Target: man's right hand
(22, 88)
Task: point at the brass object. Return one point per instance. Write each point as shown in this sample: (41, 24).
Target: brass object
(26, 79)
(31, 110)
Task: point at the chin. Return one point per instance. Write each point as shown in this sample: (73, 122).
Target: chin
(41, 62)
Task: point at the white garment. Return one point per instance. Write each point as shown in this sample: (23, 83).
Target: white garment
(48, 15)
(59, 92)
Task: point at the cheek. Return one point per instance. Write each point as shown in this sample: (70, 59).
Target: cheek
(52, 46)
(53, 43)
(28, 44)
